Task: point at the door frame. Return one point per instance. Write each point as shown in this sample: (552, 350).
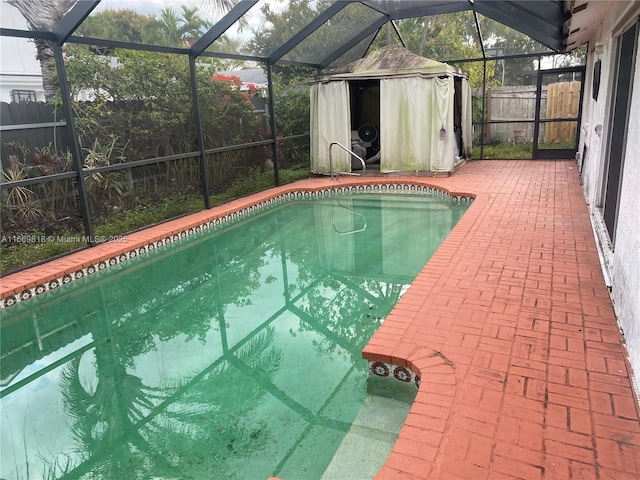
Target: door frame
(626, 49)
(556, 153)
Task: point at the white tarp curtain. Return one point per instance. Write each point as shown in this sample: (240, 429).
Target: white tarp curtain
(467, 119)
(416, 124)
(330, 122)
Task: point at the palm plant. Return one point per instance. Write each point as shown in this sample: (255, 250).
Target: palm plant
(222, 6)
(20, 201)
(171, 26)
(102, 186)
(192, 25)
(44, 16)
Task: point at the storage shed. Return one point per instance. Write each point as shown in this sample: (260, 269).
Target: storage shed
(407, 113)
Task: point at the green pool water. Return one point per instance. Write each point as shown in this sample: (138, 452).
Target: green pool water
(229, 354)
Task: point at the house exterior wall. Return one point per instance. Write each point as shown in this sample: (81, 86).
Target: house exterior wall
(19, 69)
(620, 255)
(626, 258)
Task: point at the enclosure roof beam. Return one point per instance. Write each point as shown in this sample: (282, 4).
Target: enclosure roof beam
(38, 35)
(542, 21)
(73, 19)
(311, 27)
(234, 56)
(299, 64)
(393, 24)
(242, 7)
(530, 25)
(496, 57)
(353, 42)
(375, 7)
(126, 45)
(479, 31)
(441, 9)
(550, 12)
(158, 48)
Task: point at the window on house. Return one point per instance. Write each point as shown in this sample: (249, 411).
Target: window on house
(23, 95)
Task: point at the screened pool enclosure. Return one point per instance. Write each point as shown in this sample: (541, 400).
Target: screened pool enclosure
(119, 115)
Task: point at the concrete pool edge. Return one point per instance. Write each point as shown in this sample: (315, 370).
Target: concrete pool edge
(33, 281)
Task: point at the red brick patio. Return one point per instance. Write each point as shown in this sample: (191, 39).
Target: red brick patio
(512, 330)
(510, 327)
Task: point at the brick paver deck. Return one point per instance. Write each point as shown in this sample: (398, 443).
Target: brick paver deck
(510, 327)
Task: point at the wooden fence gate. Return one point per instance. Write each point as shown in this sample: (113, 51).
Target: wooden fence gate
(563, 101)
(557, 125)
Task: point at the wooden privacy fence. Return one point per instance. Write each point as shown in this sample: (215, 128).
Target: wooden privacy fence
(563, 101)
(517, 105)
(511, 103)
(34, 125)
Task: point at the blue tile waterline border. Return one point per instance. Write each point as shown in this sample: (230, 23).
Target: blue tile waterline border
(229, 219)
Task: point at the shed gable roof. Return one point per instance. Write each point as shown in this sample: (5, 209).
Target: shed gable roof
(390, 61)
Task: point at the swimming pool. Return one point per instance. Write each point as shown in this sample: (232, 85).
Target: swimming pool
(236, 353)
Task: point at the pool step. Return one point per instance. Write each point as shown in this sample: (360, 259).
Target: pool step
(368, 442)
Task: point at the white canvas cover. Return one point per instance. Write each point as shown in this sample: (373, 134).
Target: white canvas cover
(467, 119)
(330, 122)
(416, 113)
(416, 124)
